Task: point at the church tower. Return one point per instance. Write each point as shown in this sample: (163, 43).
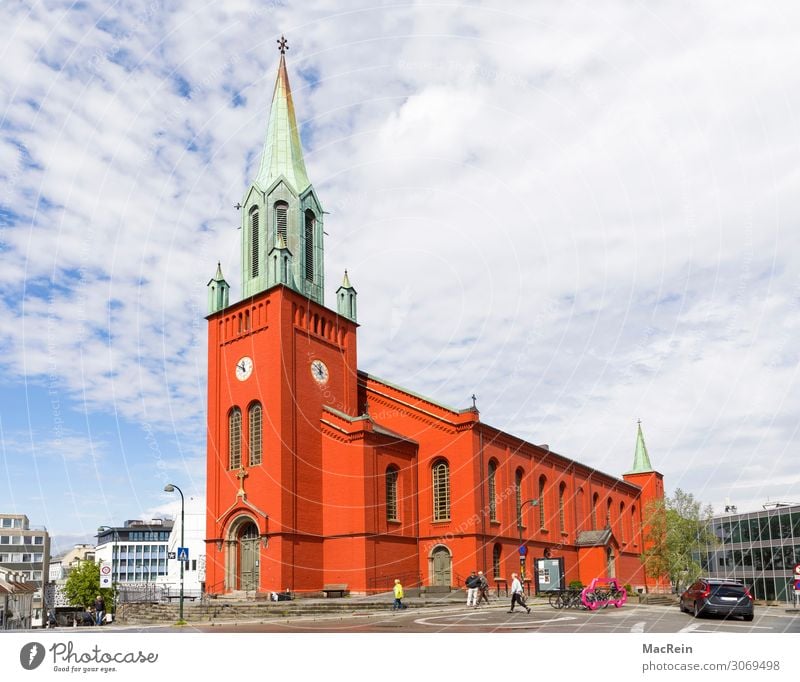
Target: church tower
(280, 206)
(278, 360)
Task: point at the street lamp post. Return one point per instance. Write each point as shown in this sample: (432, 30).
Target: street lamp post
(113, 568)
(523, 552)
(169, 488)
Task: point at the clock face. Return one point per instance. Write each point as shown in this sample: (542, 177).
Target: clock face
(244, 368)
(319, 371)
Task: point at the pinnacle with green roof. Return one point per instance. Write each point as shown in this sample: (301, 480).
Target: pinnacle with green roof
(280, 209)
(641, 460)
(218, 290)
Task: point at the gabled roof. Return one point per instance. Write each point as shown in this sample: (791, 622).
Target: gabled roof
(593, 538)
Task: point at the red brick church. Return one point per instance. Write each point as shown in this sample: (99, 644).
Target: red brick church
(320, 473)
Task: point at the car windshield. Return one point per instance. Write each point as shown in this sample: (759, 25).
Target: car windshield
(728, 590)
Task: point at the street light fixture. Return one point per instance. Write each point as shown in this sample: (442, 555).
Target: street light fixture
(522, 552)
(102, 529)
(170, 488)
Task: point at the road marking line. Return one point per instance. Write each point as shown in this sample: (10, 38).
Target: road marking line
(507, 624)
(638, 627)
(690, 628)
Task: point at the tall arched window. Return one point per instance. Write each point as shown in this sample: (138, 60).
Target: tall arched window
(634, 529)
(492, 491)
(254, 420)
(441, 491)
(622, 521)
(518, 497)
(254, 242)
(608, 513)
(235, 438)
(391, 493)
(562, 516)
(542, 515)
(311, 220)
(595, 502)
(281, 221)
(496, 562)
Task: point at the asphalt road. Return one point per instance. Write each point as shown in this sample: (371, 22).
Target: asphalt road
(629, 618)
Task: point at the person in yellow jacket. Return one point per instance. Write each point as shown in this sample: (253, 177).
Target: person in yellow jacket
(398, 595)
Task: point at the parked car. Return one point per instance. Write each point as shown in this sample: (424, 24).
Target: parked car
(708, 596)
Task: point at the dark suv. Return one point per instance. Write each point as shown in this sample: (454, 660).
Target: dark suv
(717, 597)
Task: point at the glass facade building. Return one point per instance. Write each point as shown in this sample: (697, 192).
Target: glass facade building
(137, 551)
(759, 549)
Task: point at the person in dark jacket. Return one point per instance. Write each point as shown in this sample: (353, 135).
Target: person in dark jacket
(472, 584)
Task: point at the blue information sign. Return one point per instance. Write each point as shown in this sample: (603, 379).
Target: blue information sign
(183, 554)
(523, 550)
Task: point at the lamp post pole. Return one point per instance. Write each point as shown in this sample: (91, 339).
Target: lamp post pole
(171, 488)
(113, 570)
(523, 552)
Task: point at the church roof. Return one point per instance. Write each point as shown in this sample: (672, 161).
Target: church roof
(282, 154)
(593, 538)
(641, 460)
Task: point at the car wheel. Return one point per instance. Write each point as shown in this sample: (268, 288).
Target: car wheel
(680, 605)
(750, 617)
(696, 610)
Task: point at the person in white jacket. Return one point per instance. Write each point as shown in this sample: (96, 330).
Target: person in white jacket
(517, 594)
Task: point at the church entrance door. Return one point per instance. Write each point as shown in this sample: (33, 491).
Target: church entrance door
(248, 557)
(442, 566)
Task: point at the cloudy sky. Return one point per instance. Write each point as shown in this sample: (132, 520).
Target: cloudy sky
(585, 213)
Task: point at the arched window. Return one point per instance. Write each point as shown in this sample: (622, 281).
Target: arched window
(281, 221)
(608, 513)
(391, 493)
(496, 562)
(542, 516)
(311, 220)
(562, 516)
(235, 438)
(518, 497)
(254, 241)
(633, 525)
(622, 521)
(254, 420)
(595, 502)
(492, 491)
(441, 491)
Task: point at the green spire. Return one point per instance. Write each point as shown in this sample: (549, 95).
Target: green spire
(282, 153)
(346, 299)
(641, 460)
(218, 291)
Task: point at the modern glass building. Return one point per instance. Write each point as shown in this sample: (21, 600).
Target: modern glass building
(137, 551)
(758, 549)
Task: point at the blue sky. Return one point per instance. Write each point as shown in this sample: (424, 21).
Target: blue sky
(585, 217)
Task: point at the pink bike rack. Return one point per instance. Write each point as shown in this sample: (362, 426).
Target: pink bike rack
(589, 597)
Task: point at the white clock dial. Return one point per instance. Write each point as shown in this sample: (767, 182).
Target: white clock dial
(319, 371)
(244, 368)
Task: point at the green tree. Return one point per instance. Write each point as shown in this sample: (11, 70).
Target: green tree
(83, 585)
(678, 527)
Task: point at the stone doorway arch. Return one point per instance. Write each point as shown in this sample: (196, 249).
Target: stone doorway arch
(242, 559)
(441, 566)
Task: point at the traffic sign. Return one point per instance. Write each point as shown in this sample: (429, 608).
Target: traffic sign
(170, 555)
(183, 554)
(523, 550)
(105, 574)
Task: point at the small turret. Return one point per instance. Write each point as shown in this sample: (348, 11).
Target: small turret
(346, 299)
(218, 292)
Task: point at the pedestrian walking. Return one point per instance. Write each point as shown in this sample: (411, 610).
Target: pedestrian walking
(99, 609)
(398, 595)
(517, 594)
(483, 588)
(472, 585)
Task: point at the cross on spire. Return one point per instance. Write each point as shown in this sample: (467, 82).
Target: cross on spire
(282, 45)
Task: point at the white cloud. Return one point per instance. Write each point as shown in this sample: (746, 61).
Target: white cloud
(585, 216)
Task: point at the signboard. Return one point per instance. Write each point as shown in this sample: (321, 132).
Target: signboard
(549, 574)
(523, 550)
(170, 555)
(796, 578)
(183, 554)
(105, 574)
